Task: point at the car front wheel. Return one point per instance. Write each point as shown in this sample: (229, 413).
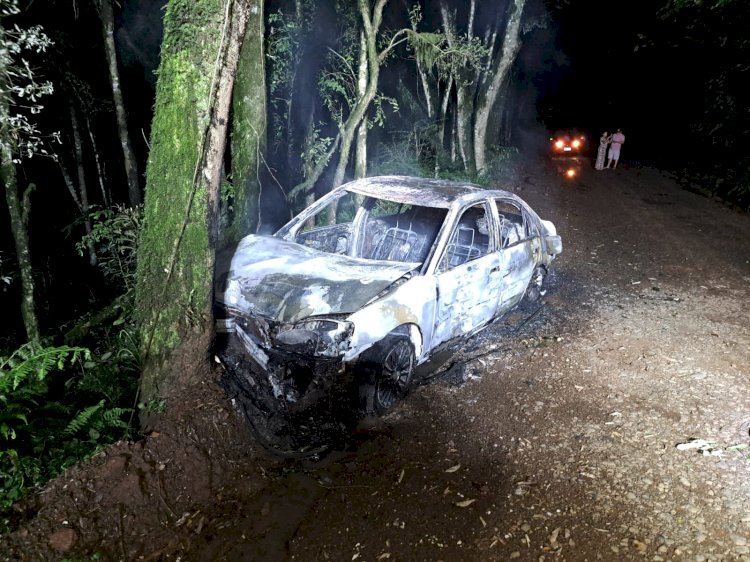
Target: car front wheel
(386, 374)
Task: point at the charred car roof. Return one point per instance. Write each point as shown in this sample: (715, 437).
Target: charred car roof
(422, 191)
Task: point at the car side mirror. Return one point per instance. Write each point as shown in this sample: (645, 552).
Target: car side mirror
(554, 244)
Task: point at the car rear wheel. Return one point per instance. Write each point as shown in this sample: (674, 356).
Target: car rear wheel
(534, 290)
(386, 374)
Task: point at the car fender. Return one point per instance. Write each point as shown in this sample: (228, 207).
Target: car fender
(411, 304)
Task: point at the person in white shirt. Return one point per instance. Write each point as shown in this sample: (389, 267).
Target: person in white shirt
(616, 141)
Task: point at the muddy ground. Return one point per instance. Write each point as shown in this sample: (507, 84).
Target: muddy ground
(612, 423)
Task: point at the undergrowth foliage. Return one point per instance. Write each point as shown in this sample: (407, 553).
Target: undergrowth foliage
(58, 405)
(114, 234)
(418, 155)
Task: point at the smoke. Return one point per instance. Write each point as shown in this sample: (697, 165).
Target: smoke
(139, 31)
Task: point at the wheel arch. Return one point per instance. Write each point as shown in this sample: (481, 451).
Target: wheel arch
(409, 330)
(414, 334)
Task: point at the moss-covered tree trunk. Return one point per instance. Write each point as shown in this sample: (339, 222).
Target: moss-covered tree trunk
(199, 58)
(248, 128)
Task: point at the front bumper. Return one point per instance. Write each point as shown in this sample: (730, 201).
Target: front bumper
(290, 381)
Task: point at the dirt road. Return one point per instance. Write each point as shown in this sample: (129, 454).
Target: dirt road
(613, 423)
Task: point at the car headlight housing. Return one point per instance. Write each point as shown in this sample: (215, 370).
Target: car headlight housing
(317, 336)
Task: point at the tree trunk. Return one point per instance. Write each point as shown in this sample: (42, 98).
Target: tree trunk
(106, 197)
(371, 24)
(176, 250)
(464, 115)
(83, 190)
(500, 71)
(20, 236)
(360, 158)
(18, 222)
(464, 99)
(442, 121)
(248, 138)
(131, 168)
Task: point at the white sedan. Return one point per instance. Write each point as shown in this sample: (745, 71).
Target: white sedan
(363, 285)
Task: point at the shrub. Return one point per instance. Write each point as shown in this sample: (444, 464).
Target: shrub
(58, 405)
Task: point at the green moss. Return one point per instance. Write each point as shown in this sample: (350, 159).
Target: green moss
(174, 287)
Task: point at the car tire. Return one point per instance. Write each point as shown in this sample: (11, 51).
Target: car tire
(385, 376)
(534, 289)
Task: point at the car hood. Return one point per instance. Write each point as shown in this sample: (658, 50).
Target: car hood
(285, 281)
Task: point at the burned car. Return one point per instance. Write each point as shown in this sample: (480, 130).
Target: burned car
(363, 285)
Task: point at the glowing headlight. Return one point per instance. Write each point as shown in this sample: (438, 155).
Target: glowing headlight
(576, 143)
(559, 144)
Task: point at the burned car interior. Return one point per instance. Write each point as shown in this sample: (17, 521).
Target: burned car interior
(389, 231)
(406, 236)
(358, 289)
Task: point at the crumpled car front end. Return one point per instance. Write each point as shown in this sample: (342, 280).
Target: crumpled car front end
(299, 364)
(288, 310)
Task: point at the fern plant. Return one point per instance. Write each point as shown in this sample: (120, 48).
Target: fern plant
(48, 423)
(23, 381)
(23, 389)
(96, 419)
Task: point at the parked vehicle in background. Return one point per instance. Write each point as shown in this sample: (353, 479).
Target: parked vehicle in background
(360, 288)
(568, 142)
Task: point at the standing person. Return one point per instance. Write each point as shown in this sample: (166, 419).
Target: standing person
(601, 154)
(616, 141)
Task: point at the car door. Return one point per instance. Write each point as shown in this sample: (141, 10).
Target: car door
(467, 276)
(518, 250)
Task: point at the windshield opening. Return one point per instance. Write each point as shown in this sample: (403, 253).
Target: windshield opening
(372, 228)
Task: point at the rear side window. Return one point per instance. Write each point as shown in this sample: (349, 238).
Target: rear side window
(513, 227)
(470, 239)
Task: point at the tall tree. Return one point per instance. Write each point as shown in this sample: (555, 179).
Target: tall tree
(480, 86)
(499, 67)
(463, 79)
(199, 59)
(358, 86)
(290, 55)
(248, 136)
(82, 184)
(19, 137)
(129, 159)
(366, 80)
